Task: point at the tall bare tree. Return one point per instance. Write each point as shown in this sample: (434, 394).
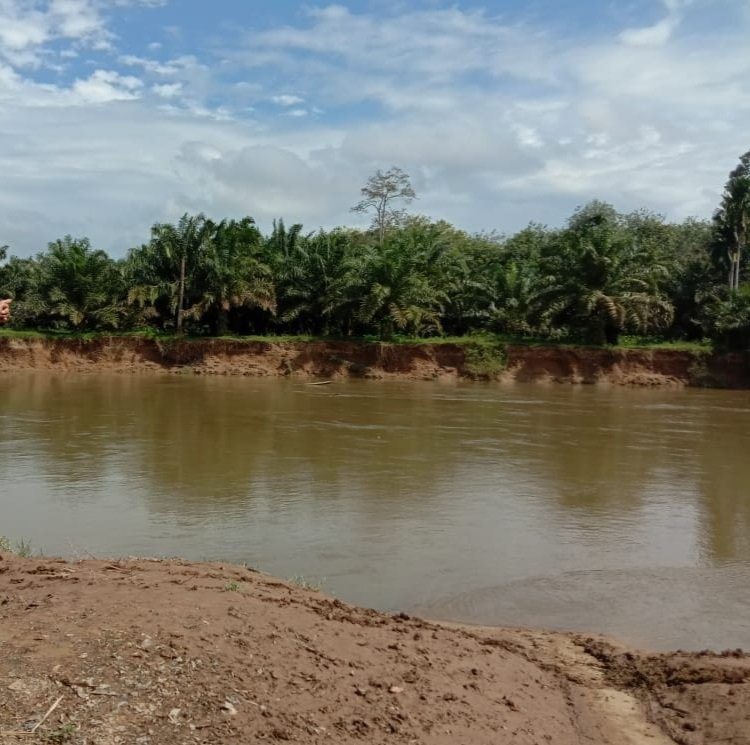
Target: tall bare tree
(379, 195)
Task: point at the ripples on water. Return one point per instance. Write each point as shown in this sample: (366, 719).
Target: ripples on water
(622, 511)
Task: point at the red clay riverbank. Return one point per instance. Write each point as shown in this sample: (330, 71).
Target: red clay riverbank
(332, 359)
(144, 652)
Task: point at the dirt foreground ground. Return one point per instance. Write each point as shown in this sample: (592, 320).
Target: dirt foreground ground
(144, 652)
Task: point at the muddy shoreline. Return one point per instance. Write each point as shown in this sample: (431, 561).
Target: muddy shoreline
(341, 359)
(166, 652)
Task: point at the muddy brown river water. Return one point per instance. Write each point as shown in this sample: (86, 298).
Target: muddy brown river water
(620, 511)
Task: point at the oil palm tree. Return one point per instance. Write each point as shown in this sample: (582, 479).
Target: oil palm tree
(732, 219)
(76, 286)
(601, 281)
(393, 286)
(515, 289)
(230, 274)
(162, 271)
(726, 316)
(309, 275)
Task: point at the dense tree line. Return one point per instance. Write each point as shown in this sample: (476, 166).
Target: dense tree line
(602, 275)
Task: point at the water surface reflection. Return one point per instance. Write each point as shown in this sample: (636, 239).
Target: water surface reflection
(562, 507)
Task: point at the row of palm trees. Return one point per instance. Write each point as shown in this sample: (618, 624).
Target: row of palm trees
(602, 275)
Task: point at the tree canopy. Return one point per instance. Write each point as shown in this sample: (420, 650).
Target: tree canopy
(732, 220)
(602, 275)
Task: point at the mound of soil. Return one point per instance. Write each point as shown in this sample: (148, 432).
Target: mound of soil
(696, 697)
(143, 652)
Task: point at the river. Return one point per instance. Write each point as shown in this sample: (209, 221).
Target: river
(619, 511)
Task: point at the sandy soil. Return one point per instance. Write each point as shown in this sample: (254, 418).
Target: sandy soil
(328, 359)
(163, 652)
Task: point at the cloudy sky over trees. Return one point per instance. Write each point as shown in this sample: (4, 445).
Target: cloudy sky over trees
(115, 114)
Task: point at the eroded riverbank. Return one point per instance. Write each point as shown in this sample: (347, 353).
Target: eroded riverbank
(337, 359)
(173, 652)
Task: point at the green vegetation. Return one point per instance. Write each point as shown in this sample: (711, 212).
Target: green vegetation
(21, 547)
(306, 584)
(703, 346)
(605, 278)
(231, 587)
(62, 734)
(485, 356)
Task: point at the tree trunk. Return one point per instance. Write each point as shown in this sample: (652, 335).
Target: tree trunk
(181, 300)
(221, 323)
(734, 272)
(596, 333)
(734, 258)
(737, 269)
(611, 334)
(381, 216)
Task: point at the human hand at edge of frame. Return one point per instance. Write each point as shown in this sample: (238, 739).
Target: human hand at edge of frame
(5, 310)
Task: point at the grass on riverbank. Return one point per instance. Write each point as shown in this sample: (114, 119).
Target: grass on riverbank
(483, 342)
(20, 547)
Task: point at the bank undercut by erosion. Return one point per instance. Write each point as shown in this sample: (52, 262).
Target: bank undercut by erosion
(335, 359)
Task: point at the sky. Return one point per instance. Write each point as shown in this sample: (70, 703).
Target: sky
(116, 114)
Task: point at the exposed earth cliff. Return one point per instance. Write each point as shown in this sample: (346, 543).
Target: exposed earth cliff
(327, 359)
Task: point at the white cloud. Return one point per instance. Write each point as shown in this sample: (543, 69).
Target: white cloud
(76, 19)
(26, 25)
(152, 66)
(656, 35)
(660, 32)
(274, 180)
(185, 80)
(287, 100)
(498, 123)
(104, 86)
(168, 90)
(436, 45)
(144, 3)
(9, 79)
(20, 32)
(674, 6)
